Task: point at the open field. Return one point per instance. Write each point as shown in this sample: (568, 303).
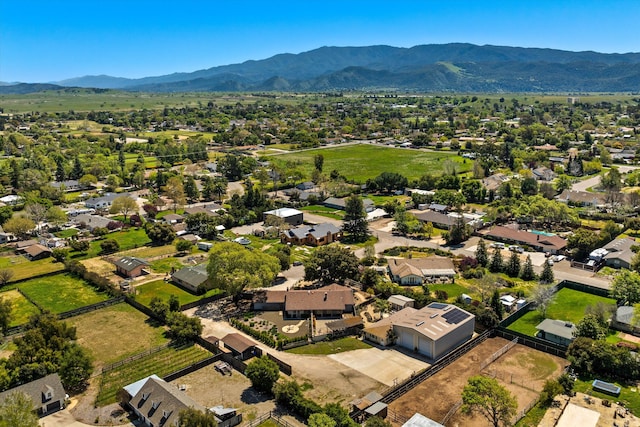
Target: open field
(324, 211)
(568, 305)
(23, 268)
(164, 290)
(61, 292)
(521, 370)
(21, 308)
(128, 239)
(100, 332)
(360, 162)
(161, 363)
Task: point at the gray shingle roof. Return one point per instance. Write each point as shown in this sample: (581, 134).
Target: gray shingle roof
(194, 276)
(37, 390)
(129, 263)
(559, 328)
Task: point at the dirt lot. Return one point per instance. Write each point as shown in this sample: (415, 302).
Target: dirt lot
(560, 412)
(522, 371)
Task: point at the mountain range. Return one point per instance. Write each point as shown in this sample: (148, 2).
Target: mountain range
(454, 67)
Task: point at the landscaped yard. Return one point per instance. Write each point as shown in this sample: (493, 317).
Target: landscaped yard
(61, 292)
(363, 161)
(166, 265)
(101, 333)
(164, 290)
(21, 308)
(628, 393)
(324, 211)
(568, 305)
(331, 347)
(161, 363)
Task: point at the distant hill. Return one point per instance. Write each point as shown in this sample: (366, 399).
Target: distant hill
(25, 88)
(454, 67)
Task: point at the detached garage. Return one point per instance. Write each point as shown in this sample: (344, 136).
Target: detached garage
(434, 330)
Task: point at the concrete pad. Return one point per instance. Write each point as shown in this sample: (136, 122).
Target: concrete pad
(384, 365)
(575, 415)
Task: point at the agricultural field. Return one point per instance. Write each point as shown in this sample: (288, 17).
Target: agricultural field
(164, 290)
(161, 363)
(100, 332)
(61, 292)
(21, 308)
(23, 268)
(568, 304)
(360, 162)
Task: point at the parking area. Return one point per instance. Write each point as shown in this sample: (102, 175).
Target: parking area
(385, 365)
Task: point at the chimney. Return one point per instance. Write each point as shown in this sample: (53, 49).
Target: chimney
(325, 296)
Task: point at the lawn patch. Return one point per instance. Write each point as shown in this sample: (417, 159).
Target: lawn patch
(331, 347)
(127, 239)
(21, 308)
(61, 292)
(161, 363)
(166, 265)
(453, 290)
(100, 332)
(23, 268)
(164, 290)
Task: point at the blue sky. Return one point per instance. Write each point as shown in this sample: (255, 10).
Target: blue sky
(51, 40)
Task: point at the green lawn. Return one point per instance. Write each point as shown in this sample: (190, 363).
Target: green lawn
(363, 161)
(21, 308)
(23, 268)
(323, 211)
(453, 290)
(331, 347)
(128, 239)
(164, 290)
(161, 363)
(101, 333)
(61, 292)
(66, 233)
(568, 305)
(165, 265)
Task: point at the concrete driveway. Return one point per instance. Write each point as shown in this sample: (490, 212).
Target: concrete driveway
(386, 365)
(64, 418)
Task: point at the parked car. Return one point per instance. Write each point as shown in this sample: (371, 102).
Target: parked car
(497, 245)
(516, 248)
(558, 258)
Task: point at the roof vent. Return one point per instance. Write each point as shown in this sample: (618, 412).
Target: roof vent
(420, 323)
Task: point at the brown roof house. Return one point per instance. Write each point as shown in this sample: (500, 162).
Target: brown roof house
(36, 252)
(330, 301)
(130, 267)
(416, 271)
(314, 235)
(158, 404)
(47, 394)
(540, 242)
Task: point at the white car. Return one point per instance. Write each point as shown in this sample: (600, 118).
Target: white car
(558, 258)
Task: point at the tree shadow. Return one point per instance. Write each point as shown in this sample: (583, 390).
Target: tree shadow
(251, 396)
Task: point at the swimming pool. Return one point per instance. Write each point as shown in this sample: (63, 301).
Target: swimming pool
(542, 233)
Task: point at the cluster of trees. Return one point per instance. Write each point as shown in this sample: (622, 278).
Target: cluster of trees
(513, 267)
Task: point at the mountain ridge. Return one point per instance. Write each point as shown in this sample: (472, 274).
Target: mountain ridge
(434, 67)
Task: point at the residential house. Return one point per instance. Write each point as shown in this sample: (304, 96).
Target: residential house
(624, 320)
(7, 238)
(158, 404)
(11, 200)
(305, 186)
(415, 271)
(69, 185)
(619, 252)
(290, 216)
(211, 209)
(541, 242)
(47, 394)
(582, 198)
(91, 222)
(242, 348)
(172, 219)
(494, 181)
(556, 331)
(543, 173)
(130, 267)
(446, 221)
(433, 331)
(340, 204)
(104, 202)
(36, 252)
(330, 301)
(191, 278)
(314, 235)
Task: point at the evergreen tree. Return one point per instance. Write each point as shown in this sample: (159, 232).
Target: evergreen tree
(61, 175)
(496, 264)
(513, 265)
(77, 171)
(191, 189)
(496, 304)
(527, 272)
(121, 159)
(547, 273)
(482, 256)
(355, 219)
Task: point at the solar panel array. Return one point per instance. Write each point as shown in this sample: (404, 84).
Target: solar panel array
(455, 316)
(437, 305)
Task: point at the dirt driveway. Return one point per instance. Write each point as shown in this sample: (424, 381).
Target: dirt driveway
(385, 365)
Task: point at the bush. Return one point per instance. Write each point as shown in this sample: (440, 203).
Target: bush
(109, 246)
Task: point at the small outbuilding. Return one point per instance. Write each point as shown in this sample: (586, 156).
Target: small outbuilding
(556, 331)
(242, 348)
(130, 267)
(398, 302)
(290, 216)
(419, 420)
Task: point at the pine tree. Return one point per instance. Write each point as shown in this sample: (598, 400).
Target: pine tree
(355, 219)
(547, 273)
(77, 171)
(482, 256)
(496, 304)
(527, 272)
(61, 175)
(496, 264)
(513, 265)
(191, 189)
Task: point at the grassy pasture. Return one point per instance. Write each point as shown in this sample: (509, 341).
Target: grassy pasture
(100, 332)
(61, 292)
(127, 239)
(23, 268)
(161, 363)
(360, 162)
(21, 308)
(164, 290)
(568, 305)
